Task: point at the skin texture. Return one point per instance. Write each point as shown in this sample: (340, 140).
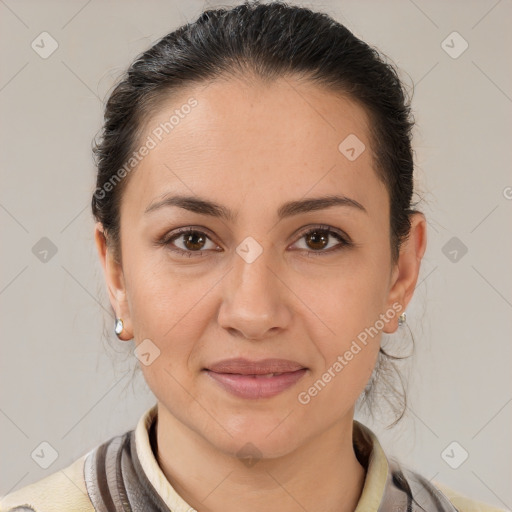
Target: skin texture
(251, 147)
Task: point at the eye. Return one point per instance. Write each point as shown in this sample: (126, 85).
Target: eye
(316, 239)
(193, 242)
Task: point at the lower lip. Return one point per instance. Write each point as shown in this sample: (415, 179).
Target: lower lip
(248, 386)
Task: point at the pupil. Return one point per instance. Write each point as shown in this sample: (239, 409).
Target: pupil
(189, 238)
(315, 238)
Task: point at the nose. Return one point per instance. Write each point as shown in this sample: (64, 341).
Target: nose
(254, 299)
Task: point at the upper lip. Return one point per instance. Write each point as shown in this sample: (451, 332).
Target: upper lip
(247, 367)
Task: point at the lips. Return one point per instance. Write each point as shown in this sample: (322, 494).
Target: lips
(243, 366)
(256, 379)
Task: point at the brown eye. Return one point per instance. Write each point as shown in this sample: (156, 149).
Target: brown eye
(317, 239)
(194, 241)
(188, 241)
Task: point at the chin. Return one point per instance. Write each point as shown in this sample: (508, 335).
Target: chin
(258, 434)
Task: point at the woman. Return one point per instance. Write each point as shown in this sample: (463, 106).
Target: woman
(255, 226)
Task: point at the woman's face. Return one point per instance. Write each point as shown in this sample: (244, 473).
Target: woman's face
(251, 283)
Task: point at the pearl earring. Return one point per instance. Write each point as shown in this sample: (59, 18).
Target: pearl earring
(118, 328)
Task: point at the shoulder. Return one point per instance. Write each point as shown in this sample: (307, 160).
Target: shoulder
(465, 503)
(57, 492)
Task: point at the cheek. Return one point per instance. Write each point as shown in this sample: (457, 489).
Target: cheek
(334, 388)
(158, 296)
(168, 314)
(343, 300)
(348, 337)
(173, 311)
(348, 357)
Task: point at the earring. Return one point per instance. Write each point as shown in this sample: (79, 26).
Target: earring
(118, 328)
(402, 319)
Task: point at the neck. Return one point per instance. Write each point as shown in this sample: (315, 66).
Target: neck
(322, 474)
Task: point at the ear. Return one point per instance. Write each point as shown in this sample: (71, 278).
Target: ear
(406, 271)
(115, 282)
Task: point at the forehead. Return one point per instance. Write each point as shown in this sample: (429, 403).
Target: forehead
(257, 141)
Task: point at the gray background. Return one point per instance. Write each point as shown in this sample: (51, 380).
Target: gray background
(62, 383)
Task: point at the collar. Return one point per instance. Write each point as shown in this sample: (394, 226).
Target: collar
(366, 446)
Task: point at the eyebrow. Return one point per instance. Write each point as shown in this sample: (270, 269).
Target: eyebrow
(204, 206)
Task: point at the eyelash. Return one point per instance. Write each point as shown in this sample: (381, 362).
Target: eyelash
(327, 230)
